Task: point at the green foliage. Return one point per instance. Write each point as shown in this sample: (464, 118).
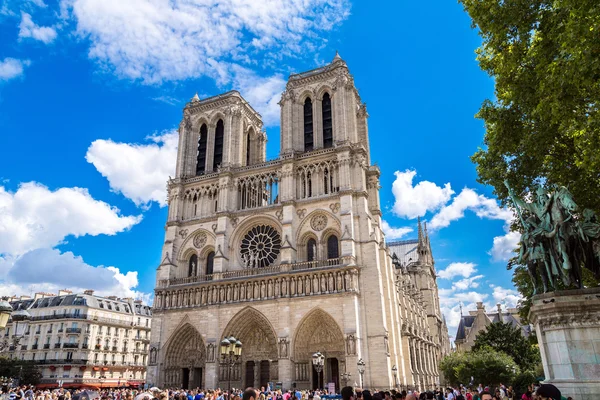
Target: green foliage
(522, 382)
(509, 340)
(26, 371)
(449, 365)
(544, 125)
(485, 365)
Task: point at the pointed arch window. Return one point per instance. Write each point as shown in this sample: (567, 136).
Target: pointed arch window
(308, 125)
(311, 250)
(210, 260)
(201, 156)
(219, 137)
(193, 265)
(327, 121)
(332, 247)
(248, 149)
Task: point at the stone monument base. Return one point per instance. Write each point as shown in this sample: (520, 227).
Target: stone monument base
(567, 325)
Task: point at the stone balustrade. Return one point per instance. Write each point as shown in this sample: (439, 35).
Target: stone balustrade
(278, 283)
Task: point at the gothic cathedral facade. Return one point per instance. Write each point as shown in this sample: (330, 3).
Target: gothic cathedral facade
(288, 256)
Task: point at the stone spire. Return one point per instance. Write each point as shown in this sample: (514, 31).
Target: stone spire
(420, 230)
(195, 98)
(337, 57)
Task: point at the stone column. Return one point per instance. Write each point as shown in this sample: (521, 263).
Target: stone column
(567, 325)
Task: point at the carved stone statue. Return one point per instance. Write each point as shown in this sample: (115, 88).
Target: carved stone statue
(557, 240)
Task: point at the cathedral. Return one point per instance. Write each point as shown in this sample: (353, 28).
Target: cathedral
(288, 255)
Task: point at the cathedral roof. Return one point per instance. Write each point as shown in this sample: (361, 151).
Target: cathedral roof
(466, 321)
(405, 250)
(336, 62)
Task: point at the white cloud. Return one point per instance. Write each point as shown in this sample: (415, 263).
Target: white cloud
(35, 217)
(468, 199)
(23, 276)
(507, 297)
(394, 233)
(263, 94)
(12, 68)
(28, 29)
(504, 246)
(39, 3)
(467, 283)
(413, 201)
(464, 269)
(156, 41)
(138, 171)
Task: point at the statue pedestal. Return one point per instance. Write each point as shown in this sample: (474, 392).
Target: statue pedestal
(567, 325)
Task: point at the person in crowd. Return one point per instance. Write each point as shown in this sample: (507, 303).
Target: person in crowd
(486, 395)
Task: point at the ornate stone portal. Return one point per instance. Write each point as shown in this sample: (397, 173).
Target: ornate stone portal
(287, 255)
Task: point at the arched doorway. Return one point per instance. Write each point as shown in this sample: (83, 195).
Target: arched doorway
(318, 331)
(185, 359)
(258, 363)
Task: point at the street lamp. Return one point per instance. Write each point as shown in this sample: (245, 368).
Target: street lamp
(395, 373)
(361, 370)
(318, 360)
(231, 350)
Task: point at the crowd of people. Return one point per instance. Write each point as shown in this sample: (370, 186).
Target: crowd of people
(502, 392)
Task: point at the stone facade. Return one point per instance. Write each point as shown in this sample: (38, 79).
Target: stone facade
(567, 325)
(286, 255)
(83, 339)
(478, 320)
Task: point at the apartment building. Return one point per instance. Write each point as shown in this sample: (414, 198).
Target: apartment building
(82, 340)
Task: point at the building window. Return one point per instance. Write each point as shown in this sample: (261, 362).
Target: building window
(201, 156)
(308, 125)
(332, 247)
(210, 260)
(219, 136)
(248, 149)
(192, 267)
(311, 250)
(327, 122)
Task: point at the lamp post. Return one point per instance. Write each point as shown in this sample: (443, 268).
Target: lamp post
(318, 360)
(361, 370)
(101, 378)
(395, 373)
(231, 350)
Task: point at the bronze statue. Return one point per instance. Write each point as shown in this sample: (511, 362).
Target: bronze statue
(557, 240)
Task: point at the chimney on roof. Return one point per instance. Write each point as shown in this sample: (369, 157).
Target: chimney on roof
(499, 306)
(24, 297)
(480, 307)
(138, 302)
(89, 292)
(64, 292)
(112, 297)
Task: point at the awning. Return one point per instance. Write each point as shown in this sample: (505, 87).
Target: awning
(52, 368)
(104, 369)
(67, 367)
(46, 386)
(96, 368)
(82, 368)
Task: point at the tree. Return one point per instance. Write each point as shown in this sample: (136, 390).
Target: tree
(544, 125)
(26, 371)
(509, 340)
(485, 365)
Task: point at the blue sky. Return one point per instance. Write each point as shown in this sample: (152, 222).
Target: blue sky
(92, 90)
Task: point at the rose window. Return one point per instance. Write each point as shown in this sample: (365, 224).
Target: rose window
(260, 247)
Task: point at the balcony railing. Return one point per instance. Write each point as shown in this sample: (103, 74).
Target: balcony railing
(24, 347)
(57, 345)
(34, 347)
(59, 316)
(73, 330)
(245, 273)
(84, 346)
(114, 348)
(47, 346)
(70, 345)
(313, 278)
